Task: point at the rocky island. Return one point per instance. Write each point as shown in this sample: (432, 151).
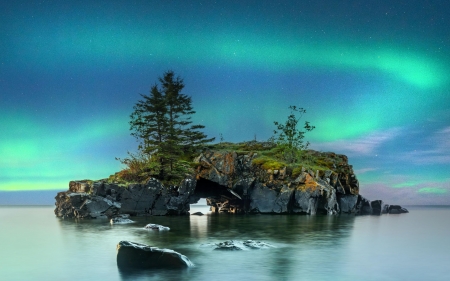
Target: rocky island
(176, 165)
(238, 179)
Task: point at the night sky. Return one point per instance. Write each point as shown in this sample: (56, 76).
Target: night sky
(372, 75)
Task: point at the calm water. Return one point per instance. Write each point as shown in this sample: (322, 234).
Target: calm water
(35, 245)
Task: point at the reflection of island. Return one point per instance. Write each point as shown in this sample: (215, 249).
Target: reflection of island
(233, 181)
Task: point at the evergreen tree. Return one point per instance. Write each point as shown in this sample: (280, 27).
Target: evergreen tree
(162, 123)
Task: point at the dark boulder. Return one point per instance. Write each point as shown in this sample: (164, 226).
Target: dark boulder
(363, 206)
(132, 255)
(197, 214)
(377, 207)
(396, 209)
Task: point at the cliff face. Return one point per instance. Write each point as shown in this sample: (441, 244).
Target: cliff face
(253, 189)
(99, 199)
(231, 182)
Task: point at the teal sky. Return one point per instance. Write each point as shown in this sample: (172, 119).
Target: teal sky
(372, 75)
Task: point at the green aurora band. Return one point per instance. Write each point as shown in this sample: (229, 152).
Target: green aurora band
(34, 153)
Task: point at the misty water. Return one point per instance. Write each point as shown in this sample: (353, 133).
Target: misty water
(35, 245)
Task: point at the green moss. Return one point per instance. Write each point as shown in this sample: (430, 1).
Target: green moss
(324, 163)
(194, 165)
(296, 172)
(259, 161)
(241, 152)
(269, 163)
(274, 165)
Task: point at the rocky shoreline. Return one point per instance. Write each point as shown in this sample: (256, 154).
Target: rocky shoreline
(232, 183)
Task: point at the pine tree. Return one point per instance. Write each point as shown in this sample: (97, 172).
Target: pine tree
(162, 123)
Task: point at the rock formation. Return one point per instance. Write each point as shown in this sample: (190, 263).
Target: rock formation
(157, 227)
(231, 182)
(109, 200)
(132, 255)
(235, 245)
(121, 219)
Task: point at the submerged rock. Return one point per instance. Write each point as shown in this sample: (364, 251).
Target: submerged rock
(121, 219)
(158, 227)
(256, 244)
(228, 246)
(131, 255)
(235, 245)
(197, 214)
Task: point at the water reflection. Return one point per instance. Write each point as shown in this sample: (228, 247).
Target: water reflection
(298, 241)
(162, 274)
(391, 247)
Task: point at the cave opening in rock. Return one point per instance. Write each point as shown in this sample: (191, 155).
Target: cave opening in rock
(218, 197)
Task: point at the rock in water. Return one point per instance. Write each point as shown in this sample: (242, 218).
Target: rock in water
(377, 207)
(158, 227)
(132, 255)
(234, 245)
(232, 183)
(228, 246)
(396, 209)
(256, 244)
(121, 219)
(197, 214)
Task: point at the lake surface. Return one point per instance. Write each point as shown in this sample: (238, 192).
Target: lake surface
(35, 245)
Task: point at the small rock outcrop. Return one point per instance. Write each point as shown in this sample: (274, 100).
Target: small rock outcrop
(235, 245)
(131, 255)
(106, 200)
(396, 209)
(157, 227)
(377, 207)
(83, 205)
(121, 219)
(253, 189)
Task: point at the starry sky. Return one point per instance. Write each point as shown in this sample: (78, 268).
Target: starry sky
(372, 75)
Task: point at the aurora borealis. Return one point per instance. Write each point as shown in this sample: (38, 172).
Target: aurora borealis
(372, 75)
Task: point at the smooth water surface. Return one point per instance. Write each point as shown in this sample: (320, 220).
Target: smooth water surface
(35, 245)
